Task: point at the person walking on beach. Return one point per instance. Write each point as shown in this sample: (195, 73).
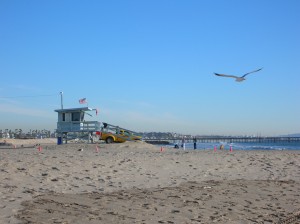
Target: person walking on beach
(183, 143)
(195, 143)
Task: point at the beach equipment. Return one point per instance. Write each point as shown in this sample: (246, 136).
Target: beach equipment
(40, 148)
(238, 78)
(111, 133)
(59, 140)
(72, 120)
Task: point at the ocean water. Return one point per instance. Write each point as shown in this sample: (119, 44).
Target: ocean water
(243, 146)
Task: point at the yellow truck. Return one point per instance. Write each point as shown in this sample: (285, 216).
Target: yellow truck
(111, 133)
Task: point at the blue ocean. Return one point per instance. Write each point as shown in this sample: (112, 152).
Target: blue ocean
(243, 146)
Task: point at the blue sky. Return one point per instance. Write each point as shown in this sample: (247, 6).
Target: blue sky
(148, 65)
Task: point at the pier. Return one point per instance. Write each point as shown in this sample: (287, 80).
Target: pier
(227, 139)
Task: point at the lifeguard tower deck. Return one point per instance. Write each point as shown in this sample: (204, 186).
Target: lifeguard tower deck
(72, 120)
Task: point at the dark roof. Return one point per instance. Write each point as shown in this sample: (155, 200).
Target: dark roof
(73, 109)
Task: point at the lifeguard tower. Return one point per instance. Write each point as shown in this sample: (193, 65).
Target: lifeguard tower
(72, 120)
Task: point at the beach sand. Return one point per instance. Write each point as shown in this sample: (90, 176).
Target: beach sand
(135, 182)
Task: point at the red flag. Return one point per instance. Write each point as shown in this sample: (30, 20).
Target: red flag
(82, 101)
(96, 112)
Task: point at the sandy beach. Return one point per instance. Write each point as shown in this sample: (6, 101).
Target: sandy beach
(135, 182)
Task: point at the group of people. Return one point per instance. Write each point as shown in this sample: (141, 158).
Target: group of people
(183, 143)
(195, 144)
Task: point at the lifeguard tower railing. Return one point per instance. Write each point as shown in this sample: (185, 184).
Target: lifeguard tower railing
(76, 126)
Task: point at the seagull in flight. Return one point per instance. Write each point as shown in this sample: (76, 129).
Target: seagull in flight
(238, 78)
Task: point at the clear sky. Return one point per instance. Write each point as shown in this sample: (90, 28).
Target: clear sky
(149, 65)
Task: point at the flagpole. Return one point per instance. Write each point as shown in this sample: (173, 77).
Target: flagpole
(61, 100)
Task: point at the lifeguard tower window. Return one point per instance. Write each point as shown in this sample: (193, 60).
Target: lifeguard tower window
(63, 117)
(76, 116)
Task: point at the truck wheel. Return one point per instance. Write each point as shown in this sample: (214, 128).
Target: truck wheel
(109, 140)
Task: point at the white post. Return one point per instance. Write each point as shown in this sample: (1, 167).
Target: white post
(61, 100)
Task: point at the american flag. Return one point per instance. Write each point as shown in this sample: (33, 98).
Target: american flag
(83, 101)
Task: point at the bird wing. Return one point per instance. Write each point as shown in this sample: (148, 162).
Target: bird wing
(252, 72)
(230, 76)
